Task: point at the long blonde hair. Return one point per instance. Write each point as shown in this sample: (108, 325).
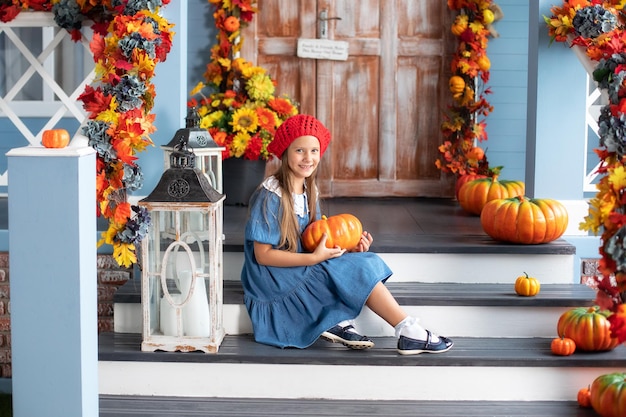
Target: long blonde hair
(289, 226)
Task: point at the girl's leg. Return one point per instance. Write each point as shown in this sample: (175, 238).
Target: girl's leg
(412, 338)
(382, 303)
(385, 305)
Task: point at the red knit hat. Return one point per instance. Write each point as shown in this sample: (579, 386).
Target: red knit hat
(293, 128)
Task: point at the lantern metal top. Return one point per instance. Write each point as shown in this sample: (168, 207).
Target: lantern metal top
(192, 133)
(182, 182)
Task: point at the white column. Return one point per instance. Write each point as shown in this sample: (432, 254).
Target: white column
(52, 255)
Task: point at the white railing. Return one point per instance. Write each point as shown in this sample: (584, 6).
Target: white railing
(596, 99)
(44, 73)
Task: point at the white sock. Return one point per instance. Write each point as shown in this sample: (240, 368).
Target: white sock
(409, 327)
(345, 323)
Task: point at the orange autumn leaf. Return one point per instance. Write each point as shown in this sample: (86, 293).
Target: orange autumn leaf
(101, 182)
(125, 152)
(94, 101)
(97, 47)
(122, 212)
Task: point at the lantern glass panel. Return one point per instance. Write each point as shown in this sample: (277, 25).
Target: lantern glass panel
(180, 267)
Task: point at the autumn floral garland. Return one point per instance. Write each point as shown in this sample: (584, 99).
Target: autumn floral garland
(242, 112)
(598, 27)
(130, 38)
(464, 124)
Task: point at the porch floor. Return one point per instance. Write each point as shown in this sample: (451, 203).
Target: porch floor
(407, 225)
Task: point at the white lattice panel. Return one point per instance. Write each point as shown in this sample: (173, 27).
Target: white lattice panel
(596, 99)
(50, 60)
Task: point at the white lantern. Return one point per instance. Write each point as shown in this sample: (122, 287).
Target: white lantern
(182, 258)
(208, 153)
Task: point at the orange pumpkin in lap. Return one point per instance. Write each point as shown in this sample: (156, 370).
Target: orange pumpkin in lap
(343, 230)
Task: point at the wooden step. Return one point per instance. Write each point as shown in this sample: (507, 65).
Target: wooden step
(455, 309)
(141, 406)
(475, 369)
(433, 294)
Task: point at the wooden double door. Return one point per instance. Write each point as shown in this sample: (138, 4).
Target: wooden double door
(383, 104)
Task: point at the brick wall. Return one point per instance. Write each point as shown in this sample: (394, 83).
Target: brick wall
(110, 278)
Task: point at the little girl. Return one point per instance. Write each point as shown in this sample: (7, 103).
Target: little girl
(294, 297)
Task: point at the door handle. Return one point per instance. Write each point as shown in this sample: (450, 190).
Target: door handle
(323, 24)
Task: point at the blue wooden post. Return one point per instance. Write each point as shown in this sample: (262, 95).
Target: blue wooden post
(556, 114)
(172, 93)
(52, 255)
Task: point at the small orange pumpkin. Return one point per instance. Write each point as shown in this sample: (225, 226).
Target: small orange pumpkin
(55, 138)
(456, 84)
(459, 26)
(476, 153)
(527, 286)
(483, 63)
(584, 397)
(231, 24)
(563, 346)
(343, 230)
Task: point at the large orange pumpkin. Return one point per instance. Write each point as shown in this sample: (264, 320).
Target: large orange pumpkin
(524, 220)
(473, 195)
(55, 138)
(608, 395)
(343, 230)
(465, 179)
(588, 327)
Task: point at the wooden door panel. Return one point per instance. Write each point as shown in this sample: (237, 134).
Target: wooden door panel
(418, 89)
(354, 120)
(383, 105)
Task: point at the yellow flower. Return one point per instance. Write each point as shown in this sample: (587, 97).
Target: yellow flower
(211, 118)
(241, 65)
(197, 88)
(251, 71)
(240, 143)
(225, 62)
(202, 111)
(245, 120)
(260, 87)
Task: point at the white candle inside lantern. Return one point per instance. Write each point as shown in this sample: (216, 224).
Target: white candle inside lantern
(196, 314)
(170, 316)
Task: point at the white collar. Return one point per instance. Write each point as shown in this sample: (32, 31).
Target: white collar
(300, 200)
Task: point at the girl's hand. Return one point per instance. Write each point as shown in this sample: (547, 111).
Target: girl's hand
(364, 243)
(325, 253)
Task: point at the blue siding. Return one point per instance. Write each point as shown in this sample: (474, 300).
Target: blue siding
(201, 38)
(506, 125)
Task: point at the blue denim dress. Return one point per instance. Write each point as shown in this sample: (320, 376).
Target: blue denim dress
(292, 306)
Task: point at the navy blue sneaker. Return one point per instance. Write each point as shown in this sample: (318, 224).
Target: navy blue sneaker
(408, 346)
(348, 337)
